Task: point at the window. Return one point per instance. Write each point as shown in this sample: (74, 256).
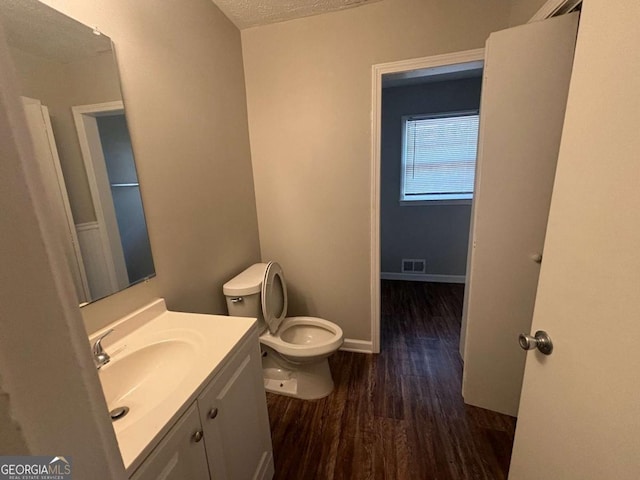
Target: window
(439, 157)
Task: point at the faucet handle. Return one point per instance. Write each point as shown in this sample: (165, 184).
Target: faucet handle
(97, 346)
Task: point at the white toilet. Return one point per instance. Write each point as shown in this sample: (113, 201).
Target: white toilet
(295, 349)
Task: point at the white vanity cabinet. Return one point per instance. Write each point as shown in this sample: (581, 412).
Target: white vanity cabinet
(180, 455)
(234, 418)
(225, 434)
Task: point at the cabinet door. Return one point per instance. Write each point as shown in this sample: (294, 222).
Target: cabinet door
(180, 455)
(233, 412)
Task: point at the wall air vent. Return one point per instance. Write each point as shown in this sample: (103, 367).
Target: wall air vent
(412, 265)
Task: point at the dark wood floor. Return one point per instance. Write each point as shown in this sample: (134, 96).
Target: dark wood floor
(400, 414)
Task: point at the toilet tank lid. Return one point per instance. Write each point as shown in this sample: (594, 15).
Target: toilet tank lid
(247, 282)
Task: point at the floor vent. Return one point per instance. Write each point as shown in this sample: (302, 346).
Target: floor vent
(412, 265)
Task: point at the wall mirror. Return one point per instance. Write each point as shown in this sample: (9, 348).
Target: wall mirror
(70, 88)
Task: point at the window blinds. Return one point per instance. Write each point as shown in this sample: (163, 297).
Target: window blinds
(440, 157)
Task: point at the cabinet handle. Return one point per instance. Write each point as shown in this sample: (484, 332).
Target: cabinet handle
(197, 436)
(213, 413)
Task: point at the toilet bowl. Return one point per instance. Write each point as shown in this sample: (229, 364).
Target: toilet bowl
(304, 339)
(295, 349)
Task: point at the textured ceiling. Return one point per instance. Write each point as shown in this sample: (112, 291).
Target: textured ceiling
(35, 28)
(251, 13)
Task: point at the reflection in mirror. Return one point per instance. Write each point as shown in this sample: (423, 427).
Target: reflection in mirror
(71, 95)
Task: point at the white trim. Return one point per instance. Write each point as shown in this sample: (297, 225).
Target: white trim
(53, 173)
(466, 56)
(552, 7)
(100, 109)
(357, 346)
(83, 227)
(85, 120)
(67, 206)
(423, 277)
(378, 71)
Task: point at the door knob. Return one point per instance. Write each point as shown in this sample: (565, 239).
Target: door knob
(197, 436)
(541, 341)
(536, 257)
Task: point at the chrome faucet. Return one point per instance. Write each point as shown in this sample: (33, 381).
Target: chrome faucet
(100, 357)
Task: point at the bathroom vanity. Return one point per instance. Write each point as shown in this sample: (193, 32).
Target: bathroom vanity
(193, 387)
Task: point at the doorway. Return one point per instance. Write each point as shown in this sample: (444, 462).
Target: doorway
(405, 82)
(520, 134)
(116, 246)
(428, 144)
(429, 137)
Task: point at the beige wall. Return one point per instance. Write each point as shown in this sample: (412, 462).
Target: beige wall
(183, 87)
(523, 10)
(309, 100)
(88, 81)
(61, 86)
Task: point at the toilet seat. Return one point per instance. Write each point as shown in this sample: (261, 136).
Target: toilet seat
(293, 337)
(304, 337)
(274, 296)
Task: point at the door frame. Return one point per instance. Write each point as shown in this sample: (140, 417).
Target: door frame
(58, 179)
(84, 117)
(554, 7)
(548, 10)
(378, 71)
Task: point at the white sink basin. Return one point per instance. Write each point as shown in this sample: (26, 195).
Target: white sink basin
(142, 378)
(160, 362)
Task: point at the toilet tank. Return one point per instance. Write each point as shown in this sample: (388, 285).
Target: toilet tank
(243, 293)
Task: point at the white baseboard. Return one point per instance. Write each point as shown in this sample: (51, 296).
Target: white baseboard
(422, 277)
(358, 346)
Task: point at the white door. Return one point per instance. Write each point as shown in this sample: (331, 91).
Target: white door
(524, 93)
(580, 409)
(46, 151)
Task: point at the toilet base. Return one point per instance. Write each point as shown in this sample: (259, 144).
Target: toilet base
(309, 381)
